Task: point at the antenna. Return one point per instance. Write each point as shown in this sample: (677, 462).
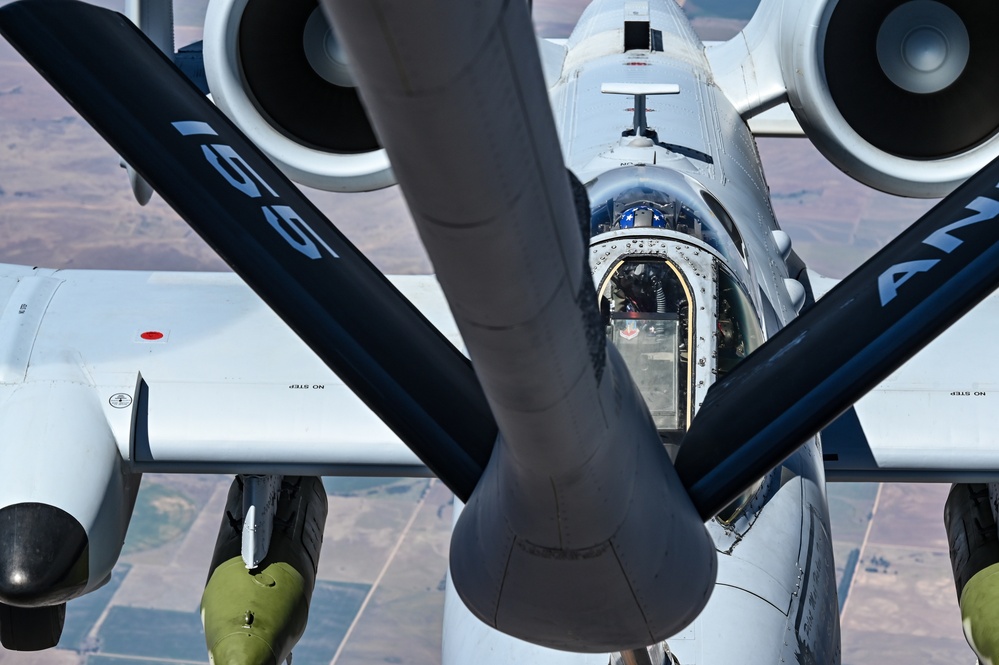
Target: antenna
(640, 91)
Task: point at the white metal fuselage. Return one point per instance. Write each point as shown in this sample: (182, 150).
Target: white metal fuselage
(775, 597)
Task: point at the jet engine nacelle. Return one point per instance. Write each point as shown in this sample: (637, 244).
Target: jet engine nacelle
(278, 71)
(65, 502)
(899, 94)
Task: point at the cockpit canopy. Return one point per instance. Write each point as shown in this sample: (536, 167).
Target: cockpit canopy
(659, 315)
(648, 197)
(671, 276)
(673, 283)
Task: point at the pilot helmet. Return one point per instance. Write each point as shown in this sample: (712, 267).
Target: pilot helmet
(642, 216)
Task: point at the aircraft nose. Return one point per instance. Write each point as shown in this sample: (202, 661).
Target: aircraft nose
(44, 555)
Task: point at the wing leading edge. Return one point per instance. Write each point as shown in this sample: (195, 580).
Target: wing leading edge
(197, 374)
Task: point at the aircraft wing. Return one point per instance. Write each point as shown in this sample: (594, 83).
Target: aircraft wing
(778, 121)
(195, 373)
(936, 419)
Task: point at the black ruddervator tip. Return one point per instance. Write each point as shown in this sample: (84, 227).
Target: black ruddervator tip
(44, 555)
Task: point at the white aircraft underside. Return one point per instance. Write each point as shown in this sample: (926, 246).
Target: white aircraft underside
(579, 535)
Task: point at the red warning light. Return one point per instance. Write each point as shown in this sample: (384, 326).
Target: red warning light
(151, 335)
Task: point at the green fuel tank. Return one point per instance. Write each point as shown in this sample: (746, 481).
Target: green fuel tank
(257, 616)
(974, 556)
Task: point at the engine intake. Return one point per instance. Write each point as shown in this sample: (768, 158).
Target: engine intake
(276, 68)
(897, 93)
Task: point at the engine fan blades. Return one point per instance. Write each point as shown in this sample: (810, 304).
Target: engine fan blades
(288, 87)
(915, 79)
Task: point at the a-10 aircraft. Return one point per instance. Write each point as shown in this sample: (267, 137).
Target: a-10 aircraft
(655, 395)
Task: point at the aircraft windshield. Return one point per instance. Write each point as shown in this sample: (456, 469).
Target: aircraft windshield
(653, 308)
(639, 198)
(646, 306)
(739, 331)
